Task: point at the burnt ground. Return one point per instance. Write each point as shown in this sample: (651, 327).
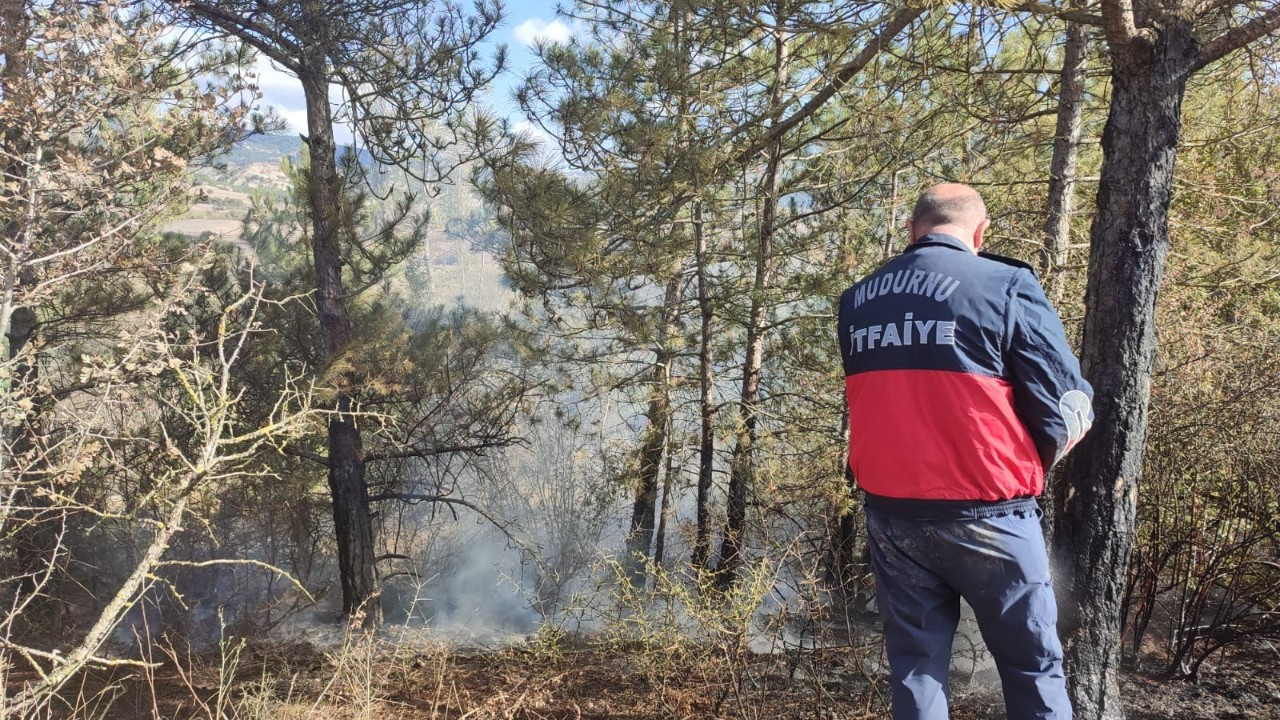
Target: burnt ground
(378, 682)
(1243, 685)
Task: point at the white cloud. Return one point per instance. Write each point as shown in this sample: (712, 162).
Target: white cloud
(534, 133)
(536, 30)
(270, 78)
(282, 93)
(297, 119)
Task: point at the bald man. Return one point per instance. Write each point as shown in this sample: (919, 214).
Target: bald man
(962, 393)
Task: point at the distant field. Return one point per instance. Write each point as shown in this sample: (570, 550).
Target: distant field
(458, 273)
(217, 193)
(225, 229)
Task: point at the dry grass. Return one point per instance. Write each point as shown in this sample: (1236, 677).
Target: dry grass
(371, 678)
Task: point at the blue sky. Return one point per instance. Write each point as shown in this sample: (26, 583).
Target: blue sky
(526, 22)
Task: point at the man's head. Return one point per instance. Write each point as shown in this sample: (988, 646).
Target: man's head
(953, 209)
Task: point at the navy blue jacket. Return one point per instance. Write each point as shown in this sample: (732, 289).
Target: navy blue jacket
(959, 378)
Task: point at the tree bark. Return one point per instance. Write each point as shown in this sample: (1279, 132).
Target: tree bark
(1058, 206)
(664, 510)
(1066, 152)
(352, 524)
(742, 461)
(643, 511)
(842, 569)
(1129, 243)
(706, 399)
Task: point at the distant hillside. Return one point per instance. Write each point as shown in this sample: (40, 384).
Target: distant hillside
(252, 165)
(265, 148)
(458, 273)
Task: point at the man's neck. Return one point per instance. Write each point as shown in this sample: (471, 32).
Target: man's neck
(964, 235)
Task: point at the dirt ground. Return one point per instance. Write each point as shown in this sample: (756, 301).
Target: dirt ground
(376, 682)
(1245, 685)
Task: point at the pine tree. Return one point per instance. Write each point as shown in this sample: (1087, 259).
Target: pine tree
(404, 68)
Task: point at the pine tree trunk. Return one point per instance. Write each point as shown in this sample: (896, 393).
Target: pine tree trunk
(742, 460)
(664, 510)
(1129, 243)
(843, 568)
(1066, 152)
(706, 399)
(643, 511)
(1062, 187)
(351, 521)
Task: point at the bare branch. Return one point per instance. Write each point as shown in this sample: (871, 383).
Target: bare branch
(843, 75)
(1238, 37)
(1076, 16)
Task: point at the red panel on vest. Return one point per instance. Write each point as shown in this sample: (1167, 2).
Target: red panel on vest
(939, 435)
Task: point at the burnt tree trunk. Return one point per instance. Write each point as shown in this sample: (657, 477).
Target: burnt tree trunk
(1129, 243)
(352, 524)
(706, 399)
(643, 511)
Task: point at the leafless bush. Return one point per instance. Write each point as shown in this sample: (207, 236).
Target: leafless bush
(1204, 574)
(160, 434)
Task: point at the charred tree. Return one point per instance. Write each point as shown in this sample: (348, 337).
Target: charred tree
(1129, 243)
(353, 528)
(1154, 50)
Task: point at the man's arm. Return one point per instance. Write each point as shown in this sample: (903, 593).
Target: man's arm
(1053, 400)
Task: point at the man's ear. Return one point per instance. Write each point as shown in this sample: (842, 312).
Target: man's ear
(979, 232)
(911, 229)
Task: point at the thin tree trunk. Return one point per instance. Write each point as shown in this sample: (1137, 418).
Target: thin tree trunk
(1062, 186)
(1066, 152)
(353, 526)
(15, 33)
(643, 511)
(844, 541)
(35, 541)
(664, 512)
(892, 226)
(1129, 243)
(706, 399)
(742, 461)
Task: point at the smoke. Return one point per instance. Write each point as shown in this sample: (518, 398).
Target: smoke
(478, 591)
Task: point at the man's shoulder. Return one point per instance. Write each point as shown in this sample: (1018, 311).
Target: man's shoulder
(1011, 262)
